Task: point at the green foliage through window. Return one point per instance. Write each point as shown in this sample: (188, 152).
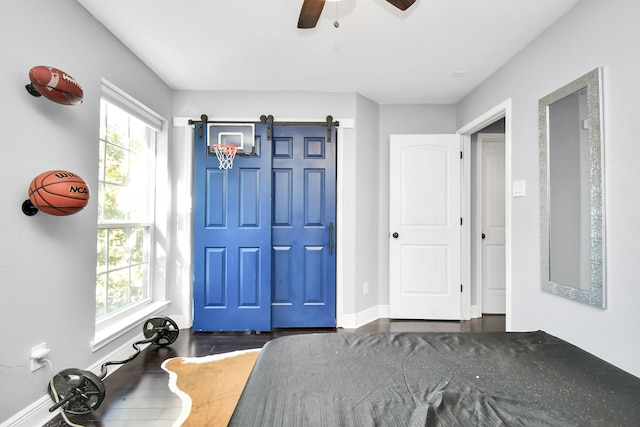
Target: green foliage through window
(125, 213)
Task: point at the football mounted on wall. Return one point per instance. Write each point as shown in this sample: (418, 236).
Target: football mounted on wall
(55, 85)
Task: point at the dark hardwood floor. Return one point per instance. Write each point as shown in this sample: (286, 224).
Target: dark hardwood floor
(138, 393)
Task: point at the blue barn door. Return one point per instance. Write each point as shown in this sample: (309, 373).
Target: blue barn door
(232, 239)
(303, 227)
(264, 251)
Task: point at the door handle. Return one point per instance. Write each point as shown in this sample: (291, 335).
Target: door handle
(331, 245)
(395, 235)
(483, 235)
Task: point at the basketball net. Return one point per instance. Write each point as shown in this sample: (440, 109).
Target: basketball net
(225, 153)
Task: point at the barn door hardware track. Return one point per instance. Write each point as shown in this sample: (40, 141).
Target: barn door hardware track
(269, 121)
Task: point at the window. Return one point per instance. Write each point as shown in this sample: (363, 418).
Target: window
(126, 205)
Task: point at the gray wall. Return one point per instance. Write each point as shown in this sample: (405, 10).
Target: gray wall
(366, 205)
(47, 291)
(577, 43)
(48, 263)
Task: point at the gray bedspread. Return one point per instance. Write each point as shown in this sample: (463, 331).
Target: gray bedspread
(434, 379)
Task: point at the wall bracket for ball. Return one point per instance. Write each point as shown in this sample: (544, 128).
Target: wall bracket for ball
(80, 392)
(28, 208)
(32, 90)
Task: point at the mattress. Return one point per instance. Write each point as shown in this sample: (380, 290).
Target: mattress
(434, 379)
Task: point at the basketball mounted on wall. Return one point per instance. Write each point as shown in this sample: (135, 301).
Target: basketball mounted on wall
(55, 85)
(56, 192)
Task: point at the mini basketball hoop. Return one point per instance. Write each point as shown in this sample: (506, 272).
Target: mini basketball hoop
(225, 153)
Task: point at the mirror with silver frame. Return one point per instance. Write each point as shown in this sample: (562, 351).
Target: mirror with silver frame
(572, 228)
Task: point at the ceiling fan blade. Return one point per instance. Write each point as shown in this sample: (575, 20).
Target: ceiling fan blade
(402, 4)
(310, 13)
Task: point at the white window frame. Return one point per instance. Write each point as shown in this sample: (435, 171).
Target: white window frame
(113, 326)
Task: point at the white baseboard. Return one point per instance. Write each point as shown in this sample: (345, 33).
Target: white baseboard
(476, 312)
(181, 321)
(37, 414)
(354, 321)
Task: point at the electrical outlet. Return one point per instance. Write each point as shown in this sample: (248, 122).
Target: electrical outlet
(365, 288)
(38, 353)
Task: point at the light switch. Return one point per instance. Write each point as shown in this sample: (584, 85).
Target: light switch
(518, 189)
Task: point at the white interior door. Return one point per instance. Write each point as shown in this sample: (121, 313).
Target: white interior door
(492, 200)
(425, 247)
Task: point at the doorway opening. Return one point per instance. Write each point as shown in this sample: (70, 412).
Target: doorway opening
(495, 120)
(487, 221)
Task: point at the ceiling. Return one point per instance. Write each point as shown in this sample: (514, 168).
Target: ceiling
(435, 52)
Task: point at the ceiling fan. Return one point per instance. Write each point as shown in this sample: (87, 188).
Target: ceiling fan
(311, 10)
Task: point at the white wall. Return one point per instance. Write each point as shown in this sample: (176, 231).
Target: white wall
(47, 278)
(594, 34)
